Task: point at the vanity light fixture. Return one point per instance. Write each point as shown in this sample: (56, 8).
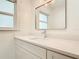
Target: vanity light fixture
(50, 2)
(45, 4)
(53, 1)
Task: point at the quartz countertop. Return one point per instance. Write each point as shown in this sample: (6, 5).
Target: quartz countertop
(67, 47)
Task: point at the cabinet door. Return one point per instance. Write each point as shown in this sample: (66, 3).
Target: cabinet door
(53, 55)
(23, 54)
(26, 50)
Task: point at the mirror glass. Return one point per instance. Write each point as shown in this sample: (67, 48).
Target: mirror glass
(51, 15)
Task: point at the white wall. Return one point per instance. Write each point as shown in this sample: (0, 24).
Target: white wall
(72, 31)
(25, 17)
(7, 50)
(56, 19)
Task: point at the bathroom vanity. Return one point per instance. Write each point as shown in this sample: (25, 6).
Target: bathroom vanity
(29, 48)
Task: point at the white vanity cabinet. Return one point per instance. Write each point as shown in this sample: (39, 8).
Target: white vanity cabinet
(53, 55)
(26, 50)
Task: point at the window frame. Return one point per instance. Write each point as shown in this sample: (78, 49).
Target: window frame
(10, 14)
(43, 21)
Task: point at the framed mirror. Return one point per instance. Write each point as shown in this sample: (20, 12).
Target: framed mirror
(51, 15)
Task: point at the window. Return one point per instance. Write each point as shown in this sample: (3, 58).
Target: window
(6, 15)
(43, 20)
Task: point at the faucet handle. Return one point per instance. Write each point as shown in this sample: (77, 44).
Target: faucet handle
(43, 31)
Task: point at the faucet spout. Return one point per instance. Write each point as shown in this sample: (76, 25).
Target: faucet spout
(44, 33)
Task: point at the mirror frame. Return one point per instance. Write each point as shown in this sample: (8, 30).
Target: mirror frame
(52, 28)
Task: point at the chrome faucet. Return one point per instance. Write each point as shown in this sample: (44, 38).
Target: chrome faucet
(44, 33)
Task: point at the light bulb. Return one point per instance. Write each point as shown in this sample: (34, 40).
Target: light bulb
(53, 1)
(46, 4)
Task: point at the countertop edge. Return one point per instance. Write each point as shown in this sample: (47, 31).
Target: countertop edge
(50, 48)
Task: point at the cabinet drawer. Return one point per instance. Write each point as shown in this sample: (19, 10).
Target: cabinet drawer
(53, 55)
(32, 49)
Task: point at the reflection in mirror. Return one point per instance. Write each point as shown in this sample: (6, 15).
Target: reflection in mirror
(51, 15)
(43, 20)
